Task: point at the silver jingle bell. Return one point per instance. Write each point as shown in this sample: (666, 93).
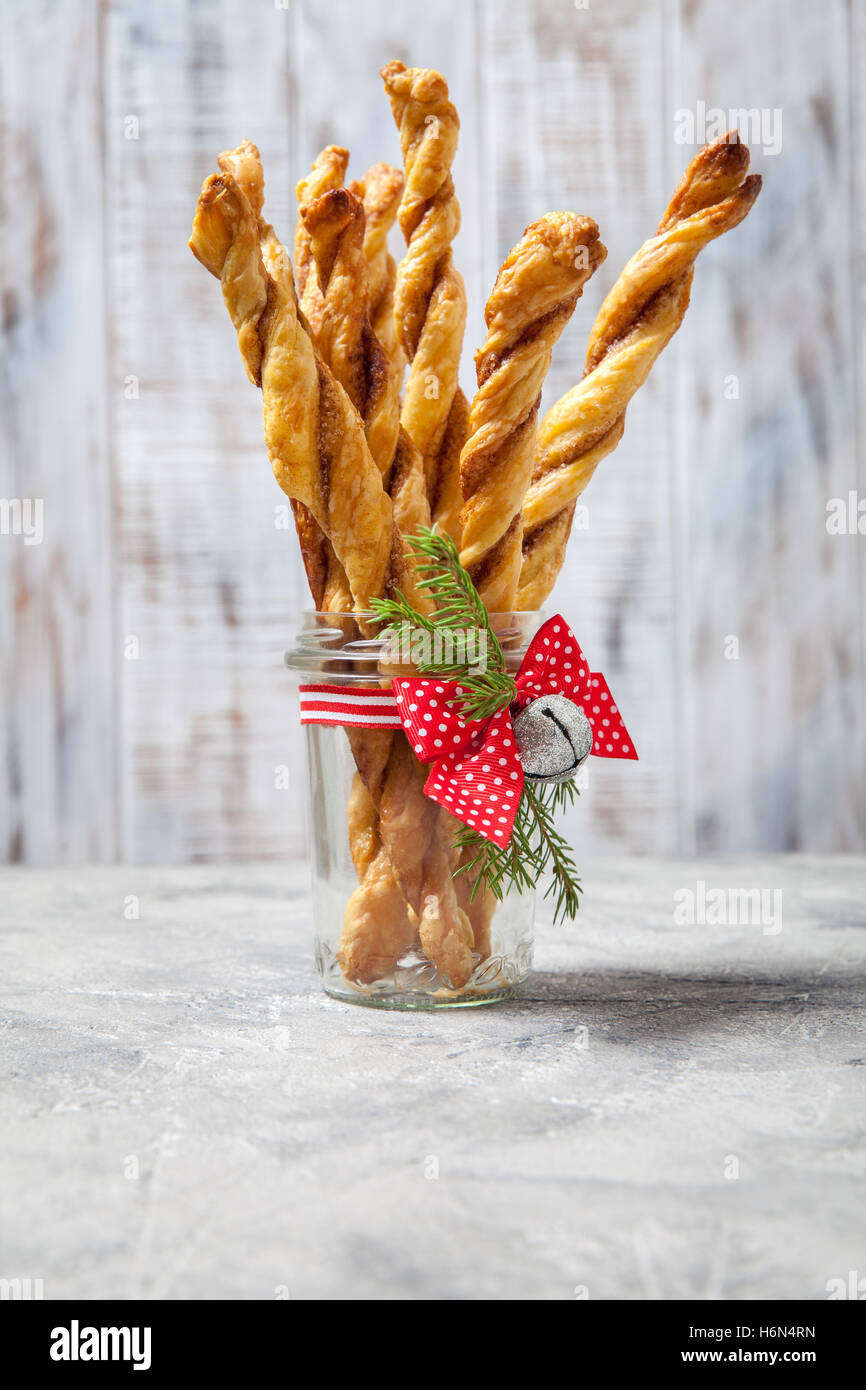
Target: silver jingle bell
(553, 737)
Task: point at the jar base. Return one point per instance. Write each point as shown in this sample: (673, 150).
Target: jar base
(416, 984)
(413, 1000)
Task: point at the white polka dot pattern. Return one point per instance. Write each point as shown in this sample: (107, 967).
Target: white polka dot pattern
(555, 664)
(476, 773)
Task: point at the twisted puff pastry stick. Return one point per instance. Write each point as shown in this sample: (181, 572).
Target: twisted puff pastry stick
(328, 583)
(533, 298)
(353, 306)
(245, 301)
(245, 164)
(314, 437)
(422, 853)
(369, 747)
(406, 868)
(335, 224)
(328, 171)
(333, 230)
(231, 241)
(317, 447)
(639, 317)
(244, 291)
(390, 820)
(534, 295)
(380, 191)
(429, 296)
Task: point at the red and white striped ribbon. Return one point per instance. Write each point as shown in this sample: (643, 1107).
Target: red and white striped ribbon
(369, 707)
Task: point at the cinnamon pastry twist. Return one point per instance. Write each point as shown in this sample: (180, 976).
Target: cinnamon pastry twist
(314, 437)
(380, 191)
(639, 317)
(388, 811)
(447, 502)
(328, 171)
(408, 891)
(335, 224)
(429, 296)
(245, 298)
(535, 293)
(533, 298)
(227, 243)
(316, 442)
(328, 583)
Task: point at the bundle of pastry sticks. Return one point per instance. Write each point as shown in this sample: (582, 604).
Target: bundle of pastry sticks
(371, 437)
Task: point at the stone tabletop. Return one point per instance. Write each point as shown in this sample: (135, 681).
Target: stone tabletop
(673, 1109)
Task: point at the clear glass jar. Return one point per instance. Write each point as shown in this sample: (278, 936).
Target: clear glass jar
(394, 925)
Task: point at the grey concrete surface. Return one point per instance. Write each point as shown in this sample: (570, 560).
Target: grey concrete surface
(669, 1111)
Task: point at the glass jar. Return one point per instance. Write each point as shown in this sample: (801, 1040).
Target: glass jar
(395, 926)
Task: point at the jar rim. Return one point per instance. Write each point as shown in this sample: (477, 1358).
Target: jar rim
(330, 647)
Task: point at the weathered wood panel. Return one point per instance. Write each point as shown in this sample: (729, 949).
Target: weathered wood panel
(576, 122)
(58, 655)
(858, 170)
(209, 588)
(776, 734)
(125, 408)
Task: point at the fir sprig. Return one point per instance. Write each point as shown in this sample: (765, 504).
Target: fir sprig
(458, 608)
(535, 845)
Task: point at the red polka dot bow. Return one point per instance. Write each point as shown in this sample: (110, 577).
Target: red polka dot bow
(476, 773)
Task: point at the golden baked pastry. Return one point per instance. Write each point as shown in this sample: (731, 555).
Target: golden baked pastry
(533, 299)
(377, 929)
(429, 296)
(314, 437)
(536, 290)
(335, 225)
(316, 442)
(417, 859)
(328, 583)
(245, 293)
(380, 191)
(328, 171)
(639, 317)
(225, 238)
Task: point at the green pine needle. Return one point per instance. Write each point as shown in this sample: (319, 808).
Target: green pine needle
(459, 608)
(536, 845)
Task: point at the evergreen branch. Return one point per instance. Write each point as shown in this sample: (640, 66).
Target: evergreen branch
(458, 602)
(459, 608)
(535, 845)
(398, 609)
(555, 851)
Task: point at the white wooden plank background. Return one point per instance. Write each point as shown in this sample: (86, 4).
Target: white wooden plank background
(858, 300)
(58, 649)
(777, 735)
(208, 586)
(125, 407)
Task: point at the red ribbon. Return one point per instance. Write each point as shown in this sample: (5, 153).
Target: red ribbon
(476, 772)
